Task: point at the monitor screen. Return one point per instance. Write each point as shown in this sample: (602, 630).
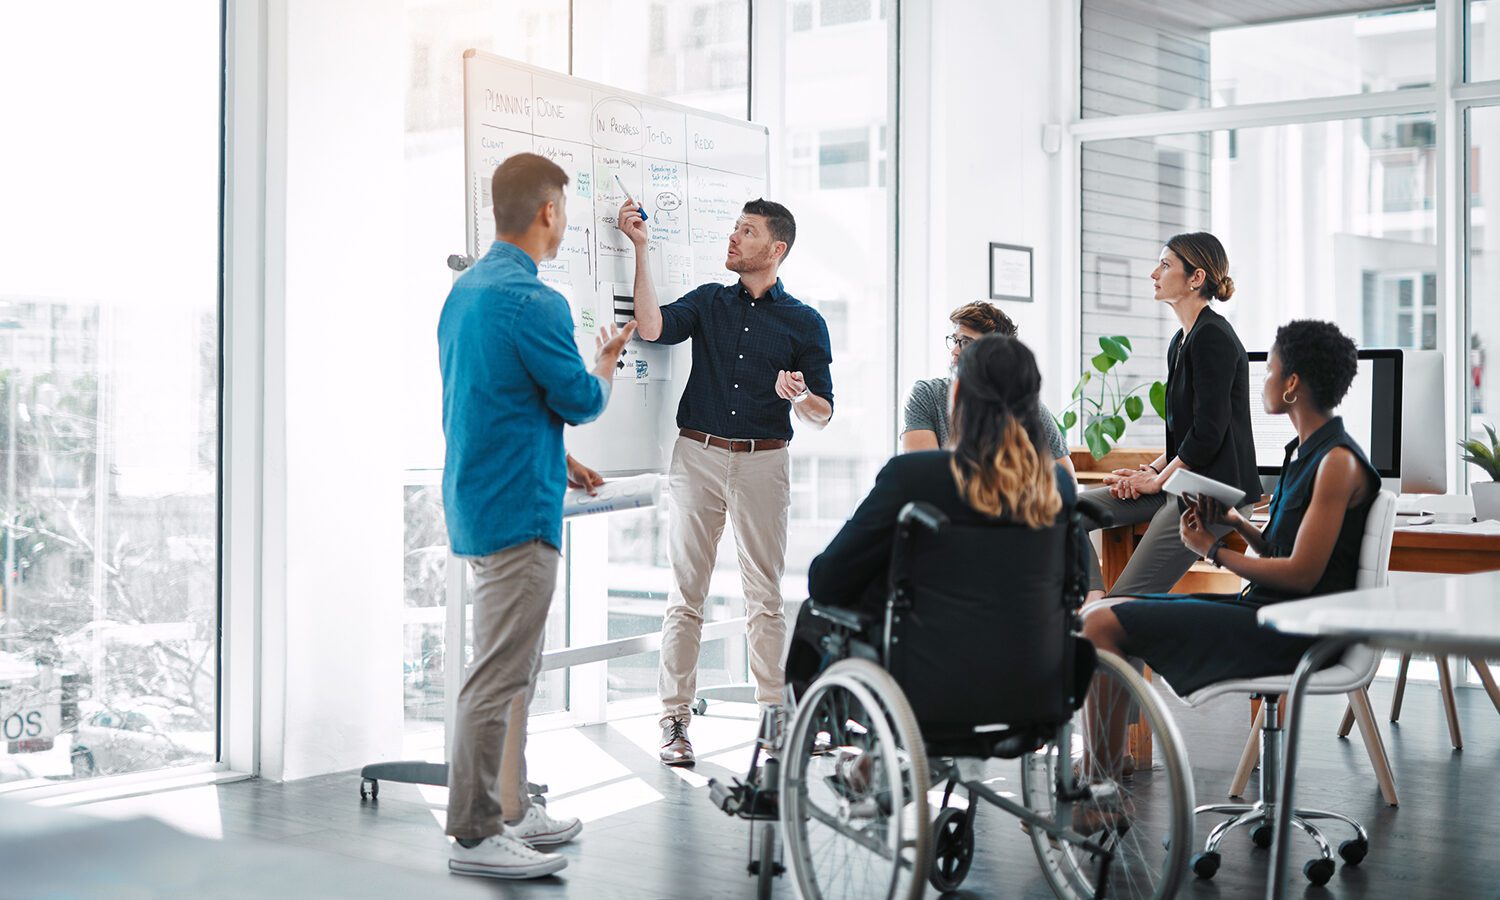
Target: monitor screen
(1371, 412)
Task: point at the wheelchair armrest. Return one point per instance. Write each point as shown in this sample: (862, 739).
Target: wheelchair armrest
(844, 618)
(1101, 514)
(924, 514)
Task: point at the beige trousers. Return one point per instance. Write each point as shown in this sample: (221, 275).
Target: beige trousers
(754, 491)
(487, 775)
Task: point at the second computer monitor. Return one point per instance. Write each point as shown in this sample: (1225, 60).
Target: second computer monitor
(1394, 410)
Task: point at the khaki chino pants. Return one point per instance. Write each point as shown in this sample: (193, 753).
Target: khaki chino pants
(487, 775)
(753, 491)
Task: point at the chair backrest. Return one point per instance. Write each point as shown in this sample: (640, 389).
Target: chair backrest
(986, 633)
(1375, 546)
(1374, 571)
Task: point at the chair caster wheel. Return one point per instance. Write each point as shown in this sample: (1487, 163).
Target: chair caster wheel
(1354, 851)
(1261, 835)
(700, 707)
(369, 789)
(1318, 871)
(1205, 864)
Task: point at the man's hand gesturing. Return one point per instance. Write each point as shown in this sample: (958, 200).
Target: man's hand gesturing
(790, 385)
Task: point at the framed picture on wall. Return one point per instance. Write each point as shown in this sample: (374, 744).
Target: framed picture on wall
(1112, 283)
(1010, 272)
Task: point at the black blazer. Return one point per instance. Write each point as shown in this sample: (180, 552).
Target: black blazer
(851, 571)
(1208, 404)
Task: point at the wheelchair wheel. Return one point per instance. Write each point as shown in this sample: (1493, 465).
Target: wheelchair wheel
(1145, 817)
(854, 788)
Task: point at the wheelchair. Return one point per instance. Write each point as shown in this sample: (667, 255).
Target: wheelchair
(969, 661)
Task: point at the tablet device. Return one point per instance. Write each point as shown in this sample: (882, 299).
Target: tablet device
(1184, 483)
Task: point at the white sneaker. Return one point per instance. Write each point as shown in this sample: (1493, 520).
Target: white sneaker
(503, 856)
(541, 830)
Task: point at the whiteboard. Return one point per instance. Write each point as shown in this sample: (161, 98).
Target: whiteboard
(691, 170)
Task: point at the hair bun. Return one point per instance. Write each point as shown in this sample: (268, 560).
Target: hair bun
(1226, 288)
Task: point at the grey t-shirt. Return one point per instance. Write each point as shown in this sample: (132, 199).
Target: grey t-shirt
(927, 410)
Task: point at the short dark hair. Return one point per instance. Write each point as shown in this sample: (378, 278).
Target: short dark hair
(1321, 356)
(520, 187)
(778, 219)
(984, 317)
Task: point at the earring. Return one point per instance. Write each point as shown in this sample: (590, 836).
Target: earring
(1286, 399)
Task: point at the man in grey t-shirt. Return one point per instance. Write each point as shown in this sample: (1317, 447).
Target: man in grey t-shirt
(927, 408)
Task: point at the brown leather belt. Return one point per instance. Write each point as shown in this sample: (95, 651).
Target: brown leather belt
(733, 446)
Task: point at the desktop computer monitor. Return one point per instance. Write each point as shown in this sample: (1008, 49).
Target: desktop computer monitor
(1394, 409)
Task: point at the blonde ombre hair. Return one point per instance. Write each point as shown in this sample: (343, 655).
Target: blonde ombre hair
(997, 430)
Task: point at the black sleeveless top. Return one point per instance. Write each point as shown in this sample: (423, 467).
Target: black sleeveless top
(1289, 505)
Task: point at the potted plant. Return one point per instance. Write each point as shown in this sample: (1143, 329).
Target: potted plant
(1106, 416)
(1485, 455)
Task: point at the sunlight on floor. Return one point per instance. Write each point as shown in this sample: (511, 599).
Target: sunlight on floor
(584, 780)
(194, 810)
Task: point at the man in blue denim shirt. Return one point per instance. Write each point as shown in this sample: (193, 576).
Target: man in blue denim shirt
(512, 376)
(759, 356)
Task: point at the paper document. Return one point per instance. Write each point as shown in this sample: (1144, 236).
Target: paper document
(1487, 527)
(1184, 483)
(614, 495)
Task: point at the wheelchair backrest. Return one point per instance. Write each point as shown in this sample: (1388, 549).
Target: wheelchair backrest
(982, 622)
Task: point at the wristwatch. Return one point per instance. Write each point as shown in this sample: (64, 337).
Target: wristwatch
(1213, 553)
(802, 396)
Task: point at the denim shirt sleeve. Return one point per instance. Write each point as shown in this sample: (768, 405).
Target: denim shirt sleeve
(550, 356)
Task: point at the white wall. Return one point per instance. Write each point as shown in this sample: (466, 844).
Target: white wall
(978, 88)
(331, 650)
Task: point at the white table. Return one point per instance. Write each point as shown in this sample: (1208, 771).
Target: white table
(1456, 614)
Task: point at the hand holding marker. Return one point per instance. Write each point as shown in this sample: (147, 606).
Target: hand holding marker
(642, 209)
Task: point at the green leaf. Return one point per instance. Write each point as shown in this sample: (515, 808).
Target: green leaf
(1494, 441)
(1114, 349)
(1114, 426)
(1069, 419)
(1083, 379)
(1093, 435)
(1103, 362)
(1158, 395)
(1125, 341)
(1134, 406)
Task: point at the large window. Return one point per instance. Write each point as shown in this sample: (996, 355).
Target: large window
(1342, 210)
(1306, 213)
(695, 53)
(1152, 56)
(109, 389)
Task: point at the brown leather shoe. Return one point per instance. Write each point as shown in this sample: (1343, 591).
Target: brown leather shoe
(676, 749)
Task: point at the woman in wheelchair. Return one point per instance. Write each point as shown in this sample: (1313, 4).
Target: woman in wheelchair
(1309, 546)
(943, 624)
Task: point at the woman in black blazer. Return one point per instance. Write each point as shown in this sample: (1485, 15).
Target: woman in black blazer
(1208, 418)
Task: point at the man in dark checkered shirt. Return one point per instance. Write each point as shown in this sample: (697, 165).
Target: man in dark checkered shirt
(758, 355)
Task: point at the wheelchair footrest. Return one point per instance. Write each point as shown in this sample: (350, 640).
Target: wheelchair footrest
(743, 800)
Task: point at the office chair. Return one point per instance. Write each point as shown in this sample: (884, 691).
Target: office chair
(1351, 675)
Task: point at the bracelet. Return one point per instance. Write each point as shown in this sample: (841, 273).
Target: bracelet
(1153, 468)
(802, 396)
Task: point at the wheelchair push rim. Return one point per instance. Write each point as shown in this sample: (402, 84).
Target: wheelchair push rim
(854, 789)
(1144, 817)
